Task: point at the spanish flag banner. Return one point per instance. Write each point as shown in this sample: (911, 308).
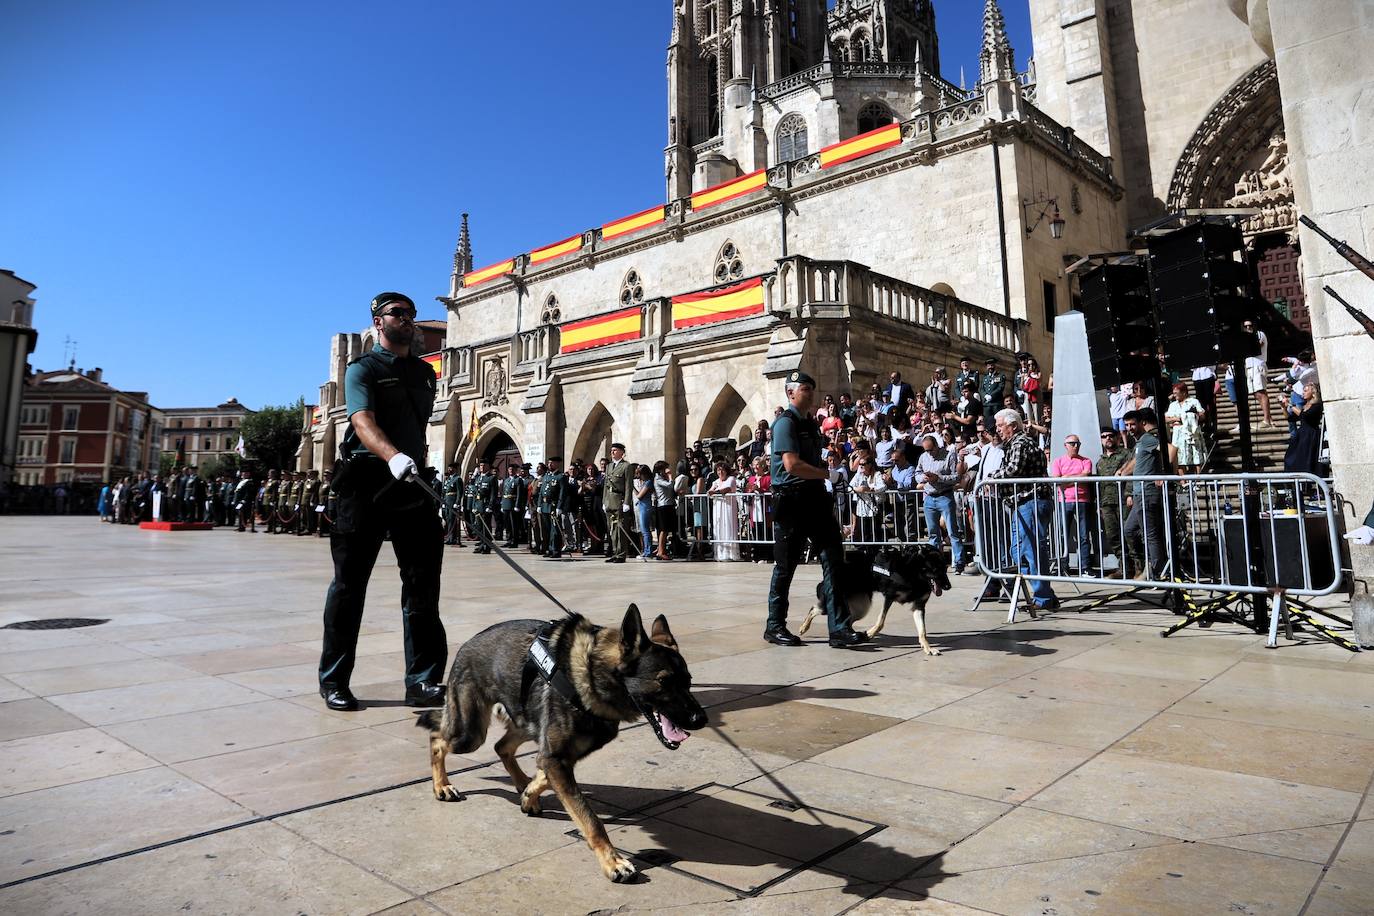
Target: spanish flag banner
(624, 226)
(729, 190)
(436, 362)
(864, 144)
(556, 250)
(316, 415)
(736, 301)
(626, 324)
(474, 428)
(488, 273)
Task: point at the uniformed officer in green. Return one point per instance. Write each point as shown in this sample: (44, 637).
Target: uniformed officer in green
(509, 484)
(390, 395)
(310, 500)
(549, 489)
(268, 502)
(802, 511)
(327, 498)
(297, 508)
(484, 502)
(615, 500)
(522, 502)
(992, 390)
(469, 512)
(453, 488)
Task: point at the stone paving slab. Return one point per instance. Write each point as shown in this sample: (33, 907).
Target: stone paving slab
(178, 758)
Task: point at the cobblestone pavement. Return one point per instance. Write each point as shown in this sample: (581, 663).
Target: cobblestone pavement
(178, 757)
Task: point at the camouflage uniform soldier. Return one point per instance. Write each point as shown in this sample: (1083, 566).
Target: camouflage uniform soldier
(310, 501)
(268, 503)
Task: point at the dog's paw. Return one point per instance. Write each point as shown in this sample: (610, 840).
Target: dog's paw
(930, 650)
(530, 806)
(619, 869)
(449, 793)
(872, 632)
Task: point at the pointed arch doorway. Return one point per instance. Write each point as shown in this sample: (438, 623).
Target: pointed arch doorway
(502, 453)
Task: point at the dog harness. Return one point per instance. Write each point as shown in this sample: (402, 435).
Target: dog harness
(540, 662)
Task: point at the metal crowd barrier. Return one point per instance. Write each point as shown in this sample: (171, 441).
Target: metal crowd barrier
(1187, 535)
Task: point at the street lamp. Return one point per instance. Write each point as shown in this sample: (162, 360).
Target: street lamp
(1050, 203)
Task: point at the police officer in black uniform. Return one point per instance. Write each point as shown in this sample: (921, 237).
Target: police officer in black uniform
(390, 394)
(802, 511)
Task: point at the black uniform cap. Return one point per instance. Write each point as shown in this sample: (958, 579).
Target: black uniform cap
(798, 377)
(619, 445)
(552, 458)
(382, 300)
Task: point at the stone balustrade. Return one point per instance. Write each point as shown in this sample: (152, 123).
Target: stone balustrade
(804, 285)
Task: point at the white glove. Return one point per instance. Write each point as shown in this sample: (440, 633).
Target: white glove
(402, 466)
(625, 507)
(1361, 535)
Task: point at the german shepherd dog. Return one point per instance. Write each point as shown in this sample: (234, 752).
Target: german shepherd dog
(608, 676)
(907, 575)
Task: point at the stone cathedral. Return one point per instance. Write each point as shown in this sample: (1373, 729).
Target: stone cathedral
(834, 203)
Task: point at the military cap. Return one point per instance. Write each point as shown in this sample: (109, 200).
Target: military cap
(989, 361)
(798, 377)
(619, 445)
(382, 300)
(552, 458)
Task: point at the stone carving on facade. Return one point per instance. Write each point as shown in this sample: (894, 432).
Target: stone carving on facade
(1238, 157)
(494, 383)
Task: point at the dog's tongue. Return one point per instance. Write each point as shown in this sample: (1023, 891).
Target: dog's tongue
(671, 731)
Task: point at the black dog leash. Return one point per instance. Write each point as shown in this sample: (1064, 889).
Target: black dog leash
(484, 535)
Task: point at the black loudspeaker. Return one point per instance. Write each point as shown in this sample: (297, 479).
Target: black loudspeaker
(1282, 542)
(1201, 294)
(1115, 299)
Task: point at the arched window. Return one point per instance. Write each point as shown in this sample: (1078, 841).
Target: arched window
(712, 97)
(729, 264)
(551, 314)
(839, 50)
(791, 138)
(631, 289)
(861, 48)
(873, 116)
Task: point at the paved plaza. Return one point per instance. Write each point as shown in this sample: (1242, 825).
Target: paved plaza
(178, 757)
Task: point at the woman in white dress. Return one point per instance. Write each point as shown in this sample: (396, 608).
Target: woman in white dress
(1184, 418)
(724, 515)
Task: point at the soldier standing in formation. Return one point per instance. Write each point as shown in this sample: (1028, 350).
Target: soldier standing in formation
(615, 499)
(548, 508)
(453, 488)
(267, 501)
(245, 501)
(509, 485)
(327, 501)
(484, 503)
(310, 504)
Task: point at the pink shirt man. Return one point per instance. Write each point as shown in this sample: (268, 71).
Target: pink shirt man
(1071, 465)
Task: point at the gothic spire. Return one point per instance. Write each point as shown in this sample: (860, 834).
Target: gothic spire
(997, 60)
(462, 256)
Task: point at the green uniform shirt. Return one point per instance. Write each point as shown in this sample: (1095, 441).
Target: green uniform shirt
(992, 390)
(484, 491)
(400, 393)
(1107, 465)
(794, 433)
(548, 492)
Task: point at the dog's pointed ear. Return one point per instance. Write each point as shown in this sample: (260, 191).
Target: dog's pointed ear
(661, 634)
(632, 636)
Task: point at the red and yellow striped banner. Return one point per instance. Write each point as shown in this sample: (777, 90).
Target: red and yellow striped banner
(488, 273)
(316, 415)
(624, 226)
(864, 144)
(736, 301)
(436, 362)
(626, 324)
(729, 190)
(556, 250)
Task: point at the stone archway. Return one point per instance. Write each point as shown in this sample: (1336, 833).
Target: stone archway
(723, 414)
(1238, 156)
(495, 433)
(594, 441)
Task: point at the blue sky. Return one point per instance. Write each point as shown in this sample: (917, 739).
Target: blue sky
(203, 193)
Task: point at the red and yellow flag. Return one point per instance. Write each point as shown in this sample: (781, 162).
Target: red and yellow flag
(436, 362)
(316, 415)
(474, 428)
(625, 225)
(556, 250)
(729, 190)
(625, 324)
(488, 273)
(736, 301)
(864, 144)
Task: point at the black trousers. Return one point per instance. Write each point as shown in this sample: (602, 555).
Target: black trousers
(356, 539)
(799, 517)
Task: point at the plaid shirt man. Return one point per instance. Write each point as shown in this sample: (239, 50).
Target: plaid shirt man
(1023, 458)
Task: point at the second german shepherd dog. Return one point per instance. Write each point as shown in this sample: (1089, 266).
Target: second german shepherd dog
(907, 575)
(609, 677)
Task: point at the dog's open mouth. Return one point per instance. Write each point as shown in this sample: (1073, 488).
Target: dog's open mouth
(668, 733)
